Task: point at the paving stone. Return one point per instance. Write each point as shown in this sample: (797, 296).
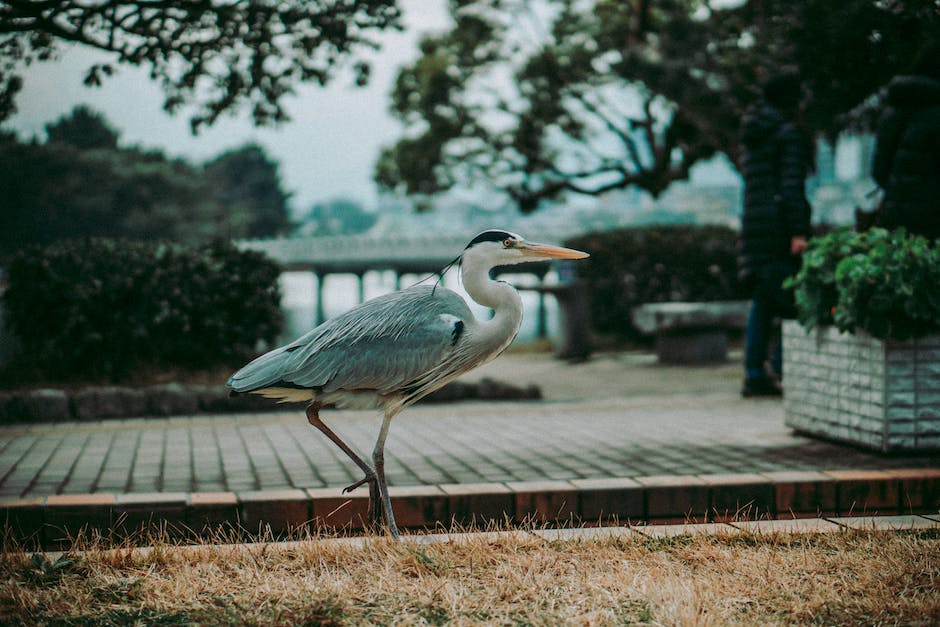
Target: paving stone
(171, 399)
(545, 501)
(887, 523)
(680, 497)
(737, 496)
(418, 506)
(793, 525)
(211, 511)
(610, 498)
(23, 519)
(582, 534)
(683, 529)
(611, 450)
(804, 493)
(862, 492)
(919, 488)
(331, 509)
(480, 503)
(280, 511)
(67, 515)
(40, 405)
(139, 512)
(107, 402)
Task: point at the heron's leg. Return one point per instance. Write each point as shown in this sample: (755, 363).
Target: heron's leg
(313, 417)
(378, 460)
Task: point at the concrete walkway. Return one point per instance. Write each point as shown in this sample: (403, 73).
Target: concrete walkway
(616, 416)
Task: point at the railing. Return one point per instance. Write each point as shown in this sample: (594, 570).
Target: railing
(357, 254)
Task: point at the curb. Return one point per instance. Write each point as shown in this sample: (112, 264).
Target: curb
(769, 498)
(567, 534)
(44, 405)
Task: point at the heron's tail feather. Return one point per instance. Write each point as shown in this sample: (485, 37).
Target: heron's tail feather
(260, 373)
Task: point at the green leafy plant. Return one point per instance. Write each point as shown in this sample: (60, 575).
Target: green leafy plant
(42, 571)
(103, 307)
(884, 283)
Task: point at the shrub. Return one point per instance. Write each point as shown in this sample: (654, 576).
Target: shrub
(652, 264)
(884, 283)
(103, 307)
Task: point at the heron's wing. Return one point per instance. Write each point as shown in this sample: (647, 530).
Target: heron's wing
(384, 344)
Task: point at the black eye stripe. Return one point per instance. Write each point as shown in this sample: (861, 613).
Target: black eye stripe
(492, 236)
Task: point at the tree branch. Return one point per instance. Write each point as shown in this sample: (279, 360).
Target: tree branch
(214, 54)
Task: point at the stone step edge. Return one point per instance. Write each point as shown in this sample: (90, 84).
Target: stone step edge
(108, 402)
(666, 499)
(886, 523)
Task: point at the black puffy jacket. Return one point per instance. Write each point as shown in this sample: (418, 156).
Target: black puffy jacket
(774, 165)
(907, 155)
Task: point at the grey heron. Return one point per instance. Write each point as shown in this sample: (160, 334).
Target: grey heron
(391, 351)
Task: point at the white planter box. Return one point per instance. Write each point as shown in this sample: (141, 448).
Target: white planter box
(883, 395)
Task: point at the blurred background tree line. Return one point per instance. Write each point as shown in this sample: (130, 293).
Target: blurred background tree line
(543, 99)
(81, 183)
(534, 99)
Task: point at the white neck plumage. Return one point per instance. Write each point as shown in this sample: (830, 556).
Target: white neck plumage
(498, 295)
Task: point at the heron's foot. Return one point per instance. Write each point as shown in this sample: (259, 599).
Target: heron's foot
(370, 479)
(375, 514)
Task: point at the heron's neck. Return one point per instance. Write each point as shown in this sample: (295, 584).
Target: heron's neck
(498, 295)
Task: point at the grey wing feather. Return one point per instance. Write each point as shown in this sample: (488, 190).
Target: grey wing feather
(383, 345)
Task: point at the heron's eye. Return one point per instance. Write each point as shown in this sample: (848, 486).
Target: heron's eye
(507, 243)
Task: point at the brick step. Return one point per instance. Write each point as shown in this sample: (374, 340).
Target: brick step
(47, 521)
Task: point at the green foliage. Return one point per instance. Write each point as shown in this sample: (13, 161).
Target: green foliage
(42, 571)
(80, 184)
(214, 57)
(884, 283)
(103, 307)
(628, 267)
(246, 180)
(605, 94)
(83, 128)
(339, 216)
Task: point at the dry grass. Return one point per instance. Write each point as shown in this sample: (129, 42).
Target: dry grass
(517, 578)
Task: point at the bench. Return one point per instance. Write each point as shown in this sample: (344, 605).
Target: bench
(691, 332)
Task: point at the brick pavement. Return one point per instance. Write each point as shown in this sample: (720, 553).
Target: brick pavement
(613, 440)
(495, 442)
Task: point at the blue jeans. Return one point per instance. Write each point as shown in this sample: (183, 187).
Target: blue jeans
(770, 301)
(761, 332)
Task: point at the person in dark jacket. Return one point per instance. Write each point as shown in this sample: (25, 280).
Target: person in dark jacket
(907, 152)
(775, 224)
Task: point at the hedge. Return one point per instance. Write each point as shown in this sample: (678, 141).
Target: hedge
(632, 266)
(97, 308)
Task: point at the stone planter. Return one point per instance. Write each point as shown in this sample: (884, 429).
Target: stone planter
(854, 388)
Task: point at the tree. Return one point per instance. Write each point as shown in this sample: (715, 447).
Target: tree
(339, 216)
(216, 55)
(83, 128)
(247, 180)
(845, 51)
(589, 96)
(58, 190)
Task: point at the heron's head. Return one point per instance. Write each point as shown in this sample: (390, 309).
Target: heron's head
(502, 248)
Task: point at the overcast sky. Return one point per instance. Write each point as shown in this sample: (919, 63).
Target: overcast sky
(327, 150)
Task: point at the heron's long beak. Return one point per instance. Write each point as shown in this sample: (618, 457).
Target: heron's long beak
(535, 249)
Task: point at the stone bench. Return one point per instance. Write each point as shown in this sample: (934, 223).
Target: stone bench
(691, 332)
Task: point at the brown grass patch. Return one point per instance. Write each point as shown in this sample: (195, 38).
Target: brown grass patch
(850, 577)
